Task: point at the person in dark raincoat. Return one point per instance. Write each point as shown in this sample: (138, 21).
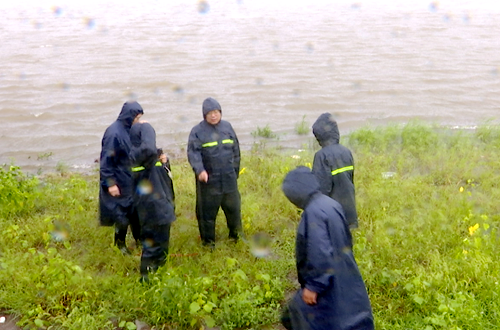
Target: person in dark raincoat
(333, 166)
(332, 294)
(214, 155)
(115, 192)
(153, 196)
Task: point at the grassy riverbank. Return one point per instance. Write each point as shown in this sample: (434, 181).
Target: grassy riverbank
(427, 245)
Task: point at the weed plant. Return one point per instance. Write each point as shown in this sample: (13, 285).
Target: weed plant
(302, 128)
(427, 247)
(265, 132)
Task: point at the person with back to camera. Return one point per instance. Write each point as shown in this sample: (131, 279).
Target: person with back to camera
(153, 197)
(332, 293)
(214, 154)
(333, 166)
(115, 189)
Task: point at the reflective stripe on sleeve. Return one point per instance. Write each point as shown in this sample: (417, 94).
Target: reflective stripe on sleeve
(227, 141)
(343, 169)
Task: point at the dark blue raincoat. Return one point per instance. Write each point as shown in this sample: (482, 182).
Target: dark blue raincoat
(215, 149)
(153, 197)
(115, 167)
(334, 167)
(325, 262)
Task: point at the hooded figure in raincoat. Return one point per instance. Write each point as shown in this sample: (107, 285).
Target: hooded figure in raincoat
(333, 166)
(153, 197)
(332, 294)
(115, 191)
(214, 155)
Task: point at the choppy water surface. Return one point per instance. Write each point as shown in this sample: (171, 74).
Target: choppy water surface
(66, 68)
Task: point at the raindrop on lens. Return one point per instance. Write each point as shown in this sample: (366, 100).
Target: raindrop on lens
(57, 10)
(178, 90)
(203, 7)
(433, 6)
(309, 47)
(37, 25)
(466, 18)
(149, 242)
(144, 187)
(89, 23)
(131, 96)
(110, 183)
(346, 250)
(64, 86)
(260, 245)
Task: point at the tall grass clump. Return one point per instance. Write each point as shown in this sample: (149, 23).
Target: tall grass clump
(265, 132)
(302, 128)
(489, 134)
(428, 243)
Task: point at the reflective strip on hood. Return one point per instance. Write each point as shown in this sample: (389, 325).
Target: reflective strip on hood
(227, 141)
(343, 169)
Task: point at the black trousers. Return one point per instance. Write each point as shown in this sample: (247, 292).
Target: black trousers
(127, 217)
(155, 240)
(207, 207)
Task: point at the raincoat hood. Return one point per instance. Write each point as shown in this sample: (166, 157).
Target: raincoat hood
(210, 104)
(138, 130)
(299, 186)
(325, 130)
(129, 111)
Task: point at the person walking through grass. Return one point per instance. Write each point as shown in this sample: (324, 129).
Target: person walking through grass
(333, 166)
(332, 293)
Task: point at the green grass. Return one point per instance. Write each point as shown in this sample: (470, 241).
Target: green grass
(427, 246)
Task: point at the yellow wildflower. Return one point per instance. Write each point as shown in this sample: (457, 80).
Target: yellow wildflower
(309, 165)
(473, 229)
(461, 189)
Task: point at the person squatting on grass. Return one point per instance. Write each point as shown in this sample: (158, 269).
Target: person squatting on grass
(153, 196)
(333, 166)
(332, 293)
(115, 191)
(214, 154)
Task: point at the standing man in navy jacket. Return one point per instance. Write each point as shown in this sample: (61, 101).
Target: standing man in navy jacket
(115, 189)
(214, 155)
(332, 293)
(334, 167)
